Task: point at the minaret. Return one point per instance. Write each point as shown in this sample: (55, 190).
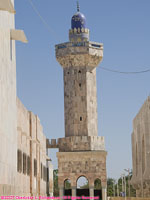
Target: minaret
(82, 151)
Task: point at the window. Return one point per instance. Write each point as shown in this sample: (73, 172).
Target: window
(44, 173)
(24, 163)
(41, 170)
(80, 118)
(79, 84)
(19, 161)
(35, 167)
(79, 72)
(28, 165)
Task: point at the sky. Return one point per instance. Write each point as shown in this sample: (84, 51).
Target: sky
(124, 29)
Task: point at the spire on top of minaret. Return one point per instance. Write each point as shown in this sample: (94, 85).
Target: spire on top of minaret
(78, 6)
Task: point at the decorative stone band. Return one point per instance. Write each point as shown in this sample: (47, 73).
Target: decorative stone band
(81, 143)
(78, 143)
(76, 31)
(6, 5)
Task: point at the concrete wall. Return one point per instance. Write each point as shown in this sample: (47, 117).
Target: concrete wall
(8, 132)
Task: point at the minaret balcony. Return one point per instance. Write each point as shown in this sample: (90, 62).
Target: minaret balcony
(79, 54)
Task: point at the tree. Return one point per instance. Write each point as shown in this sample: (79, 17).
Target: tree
(55, 179)
(110, 191)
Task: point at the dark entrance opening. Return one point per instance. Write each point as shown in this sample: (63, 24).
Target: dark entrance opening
(98, 193)
(82, 192)
(67, 192)
(67, 188)
(98, 188)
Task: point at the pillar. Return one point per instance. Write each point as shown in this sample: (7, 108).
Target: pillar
(91, 188)
(104, 193)
(61, 193)
(73, 191)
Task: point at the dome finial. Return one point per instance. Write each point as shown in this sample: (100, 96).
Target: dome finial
(78, 7)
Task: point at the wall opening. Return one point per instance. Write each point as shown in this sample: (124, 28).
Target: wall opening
(82, 186)
(24, 163)
(67, 188)
(97, 188)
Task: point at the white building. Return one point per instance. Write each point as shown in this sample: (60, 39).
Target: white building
(23, 159)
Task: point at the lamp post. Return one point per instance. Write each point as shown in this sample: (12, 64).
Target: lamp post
(117, 189)
(128, 170)
(114, 187)
(124, 185)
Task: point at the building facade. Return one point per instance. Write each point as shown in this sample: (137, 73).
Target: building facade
(81, 152)
(25, 168)
(141, 151)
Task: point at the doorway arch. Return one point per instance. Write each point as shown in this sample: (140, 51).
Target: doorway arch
(98, 188)
(82, 185)
(67, 187)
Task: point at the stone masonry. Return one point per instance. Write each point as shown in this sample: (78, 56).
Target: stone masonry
(82, 151)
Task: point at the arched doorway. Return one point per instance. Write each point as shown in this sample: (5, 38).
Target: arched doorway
(67, 188)
(98, 188)
(82, 186)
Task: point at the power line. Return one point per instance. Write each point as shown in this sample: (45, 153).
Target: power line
(43, 20)
(56, 37)
(122, 72)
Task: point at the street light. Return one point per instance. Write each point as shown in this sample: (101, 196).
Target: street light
(128, 170)
(118, 188)
(114, 186)
(123, 185)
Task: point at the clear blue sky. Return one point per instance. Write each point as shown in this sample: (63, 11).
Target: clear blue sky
(124, 29)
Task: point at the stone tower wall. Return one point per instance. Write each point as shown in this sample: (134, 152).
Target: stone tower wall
(80, 102)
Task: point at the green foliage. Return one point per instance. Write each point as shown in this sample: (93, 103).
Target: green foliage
(110, 190)
(97, 184)
(85, 186)
(55, 179)
(67, 184)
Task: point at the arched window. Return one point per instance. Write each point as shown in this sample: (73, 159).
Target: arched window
(67, 184)
(97, 184)
(82, 183)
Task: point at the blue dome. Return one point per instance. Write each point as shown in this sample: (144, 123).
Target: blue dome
(78, 21)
